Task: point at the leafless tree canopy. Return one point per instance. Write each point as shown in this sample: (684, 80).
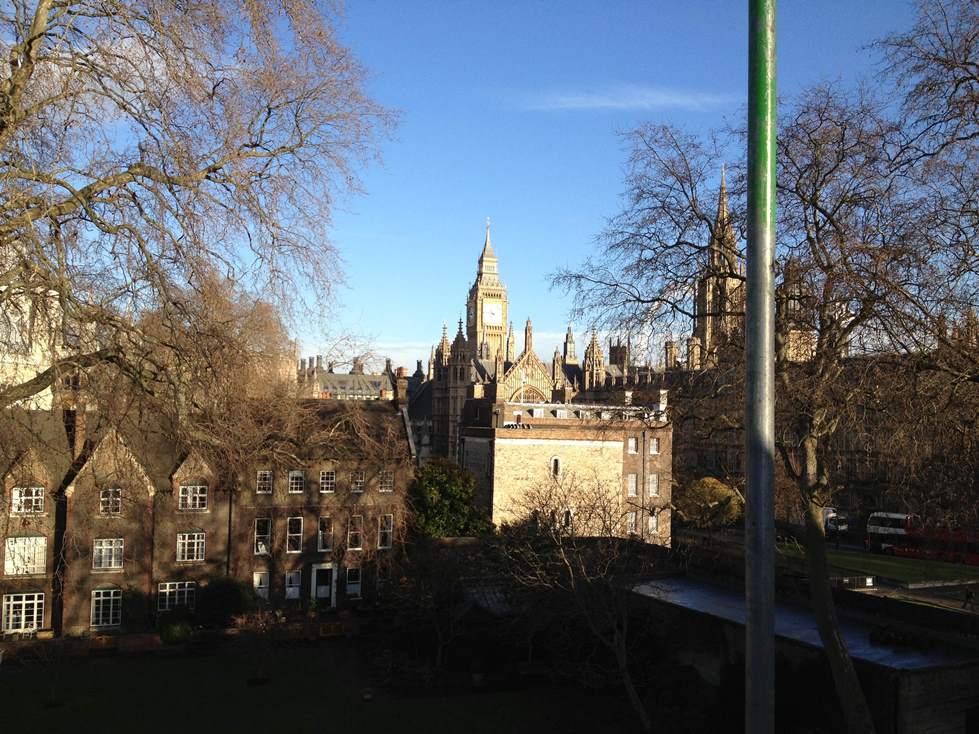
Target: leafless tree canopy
(153, 148)
(876, 258)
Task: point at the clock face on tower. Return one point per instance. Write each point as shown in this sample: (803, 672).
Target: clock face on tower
(493, 314)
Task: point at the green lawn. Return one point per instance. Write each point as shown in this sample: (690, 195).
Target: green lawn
(908, 570)
(313, 687)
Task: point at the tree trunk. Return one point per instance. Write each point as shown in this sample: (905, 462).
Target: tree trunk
(848, 690)
(621, 658)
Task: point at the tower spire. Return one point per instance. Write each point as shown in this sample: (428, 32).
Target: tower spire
(723, 248)
(487, 253)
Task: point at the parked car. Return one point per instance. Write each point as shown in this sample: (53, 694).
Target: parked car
(834, 521)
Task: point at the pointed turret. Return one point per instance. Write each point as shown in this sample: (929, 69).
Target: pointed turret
(594, 363)
(528, 337)
(569, 354)
(444, 350)
(459, 343)
(511, 345)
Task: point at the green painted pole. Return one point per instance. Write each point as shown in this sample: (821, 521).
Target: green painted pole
(760, 375)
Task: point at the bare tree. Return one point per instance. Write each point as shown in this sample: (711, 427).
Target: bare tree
(571, 547)
(862, 282)
(152, 149)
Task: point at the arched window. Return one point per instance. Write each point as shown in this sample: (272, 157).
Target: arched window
(555, 467)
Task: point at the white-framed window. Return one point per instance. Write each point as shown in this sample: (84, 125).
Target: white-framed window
(633, 444)
(654, 445)
(260, 584)
(324, 535)
(297, 481)
(652, 485)
(173, 594)
(110, 501)
(25, 555)
(294, 535)
(107, 607)
(27, 501)
(355, 533)
(190, 546)
(536, 412)
(107, 554)
(294, 580)
(353, 583)
(263, 536)
(385, 481)
(630, 522)
(328, 481)
(23, 612)
(560, 413)
(555, 467)
(263, 481)
(358, 479)
(631, 487)
(652, 524)
(192, 497)
(385, 531)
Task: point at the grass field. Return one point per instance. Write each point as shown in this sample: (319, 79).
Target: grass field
(907, 570)
(312, 687)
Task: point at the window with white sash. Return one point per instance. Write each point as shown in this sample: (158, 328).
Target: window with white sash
(385, 531)
(263, 482)
(190, 546)
(173, 594)
(27, 501)
(294, 535)
(263, 536)
(260, 584)
(25, 555)
(353, 583)
(23, 612)
(294, 581)
(193, 497)
(107, 554)
(110, 501)
(107, 607)
(652, 485)
(355, 533)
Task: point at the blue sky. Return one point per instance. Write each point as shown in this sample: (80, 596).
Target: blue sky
(512, 110)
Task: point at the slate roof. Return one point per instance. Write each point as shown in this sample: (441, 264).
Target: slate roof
(353, 386)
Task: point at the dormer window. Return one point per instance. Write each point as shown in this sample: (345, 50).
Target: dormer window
(27, 501)
(193, 497)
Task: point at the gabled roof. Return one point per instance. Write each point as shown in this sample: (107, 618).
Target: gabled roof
(111, 450)
(34, 441)
(193, 467)
(355, 386)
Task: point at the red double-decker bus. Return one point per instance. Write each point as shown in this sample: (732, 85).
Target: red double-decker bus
(905, 535)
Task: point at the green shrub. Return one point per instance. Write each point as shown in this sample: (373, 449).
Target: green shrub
(223, 598)
(176, 632)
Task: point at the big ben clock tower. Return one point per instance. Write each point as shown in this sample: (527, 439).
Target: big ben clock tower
(487, 306)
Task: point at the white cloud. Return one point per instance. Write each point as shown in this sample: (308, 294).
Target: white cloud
(629, 97)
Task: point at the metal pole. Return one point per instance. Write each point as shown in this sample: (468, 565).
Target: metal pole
(760, 373)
